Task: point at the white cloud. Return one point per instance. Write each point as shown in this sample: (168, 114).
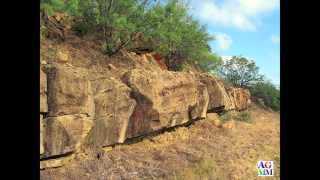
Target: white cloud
(275, 39)
(241, 14)
(224, 41)
(226, 58)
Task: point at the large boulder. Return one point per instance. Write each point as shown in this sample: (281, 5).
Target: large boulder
(164, 99)
(43, 92)
(69, 91)
(64, 134)
(112, 113)
(241, 97)
(219, 99)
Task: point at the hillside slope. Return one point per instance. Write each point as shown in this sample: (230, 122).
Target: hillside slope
(200, 151)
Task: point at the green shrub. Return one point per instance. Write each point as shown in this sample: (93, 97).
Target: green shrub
(226, 116)
(165, 27)
(243, 116)
(267, 93)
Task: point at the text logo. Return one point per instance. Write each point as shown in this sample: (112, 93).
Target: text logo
(265, 168)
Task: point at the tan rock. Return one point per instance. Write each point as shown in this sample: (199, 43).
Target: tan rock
(65, 134)
(62, 56)
(229, 124)
(69, 91)
(43, 92)
(111, 67)
(107, 149)
(164, 99)
(54, 163)
(214, 118)
(218, 97)
(113, 110)
(41, 135)
(241, 97)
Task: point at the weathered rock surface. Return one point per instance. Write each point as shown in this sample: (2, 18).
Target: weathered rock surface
(240, 97)
(41, 135)
(57, 162)
(214, 118)
(69, 91)
(218, 96)
(103, 106)
(164, 99)
(43, 92)
(62, 56)
(64, 134)
(112, 113)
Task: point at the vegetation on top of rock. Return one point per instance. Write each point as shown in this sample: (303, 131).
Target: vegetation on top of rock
(133, 24)
(164, 27)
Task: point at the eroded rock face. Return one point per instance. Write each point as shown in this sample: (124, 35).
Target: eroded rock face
(241, 97)
(69, 91)
(84, 110)
(164, 99)
(43, 92)
(41, 135)
(218, 96)
(112, 113)
(64, 134)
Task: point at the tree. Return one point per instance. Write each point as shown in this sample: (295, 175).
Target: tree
(171, 31)
(240, 71)
(268, 93)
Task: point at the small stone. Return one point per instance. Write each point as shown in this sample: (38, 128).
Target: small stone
(229, 125)
(107, 149)
(62, 56)
(111, 67)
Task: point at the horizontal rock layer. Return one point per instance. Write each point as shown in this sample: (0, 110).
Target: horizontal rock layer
(79, 109)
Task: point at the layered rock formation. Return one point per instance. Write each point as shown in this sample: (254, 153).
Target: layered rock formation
(164, 99)
(219, 100)
(240, 97)
(80, 108)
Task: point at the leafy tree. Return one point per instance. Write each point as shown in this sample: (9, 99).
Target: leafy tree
(240, 72)
(119, 21)
(178, 36)
(268, 93)
(49, 7)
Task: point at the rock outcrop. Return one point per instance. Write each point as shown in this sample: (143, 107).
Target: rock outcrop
(69, 91)
(81, 108)
(164, 99)
(43, 92)
(219, 99)
(240, 97)
(65, 134)
(113, 109)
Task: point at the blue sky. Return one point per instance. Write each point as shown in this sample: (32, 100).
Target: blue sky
(250, 28)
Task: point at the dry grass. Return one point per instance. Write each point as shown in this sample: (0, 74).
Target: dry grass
(202, 151)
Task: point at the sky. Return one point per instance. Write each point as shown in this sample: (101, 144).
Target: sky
(250, 28)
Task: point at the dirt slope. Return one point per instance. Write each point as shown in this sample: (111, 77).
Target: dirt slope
(200, 151)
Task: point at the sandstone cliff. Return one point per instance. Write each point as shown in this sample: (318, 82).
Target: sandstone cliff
(92, 104)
